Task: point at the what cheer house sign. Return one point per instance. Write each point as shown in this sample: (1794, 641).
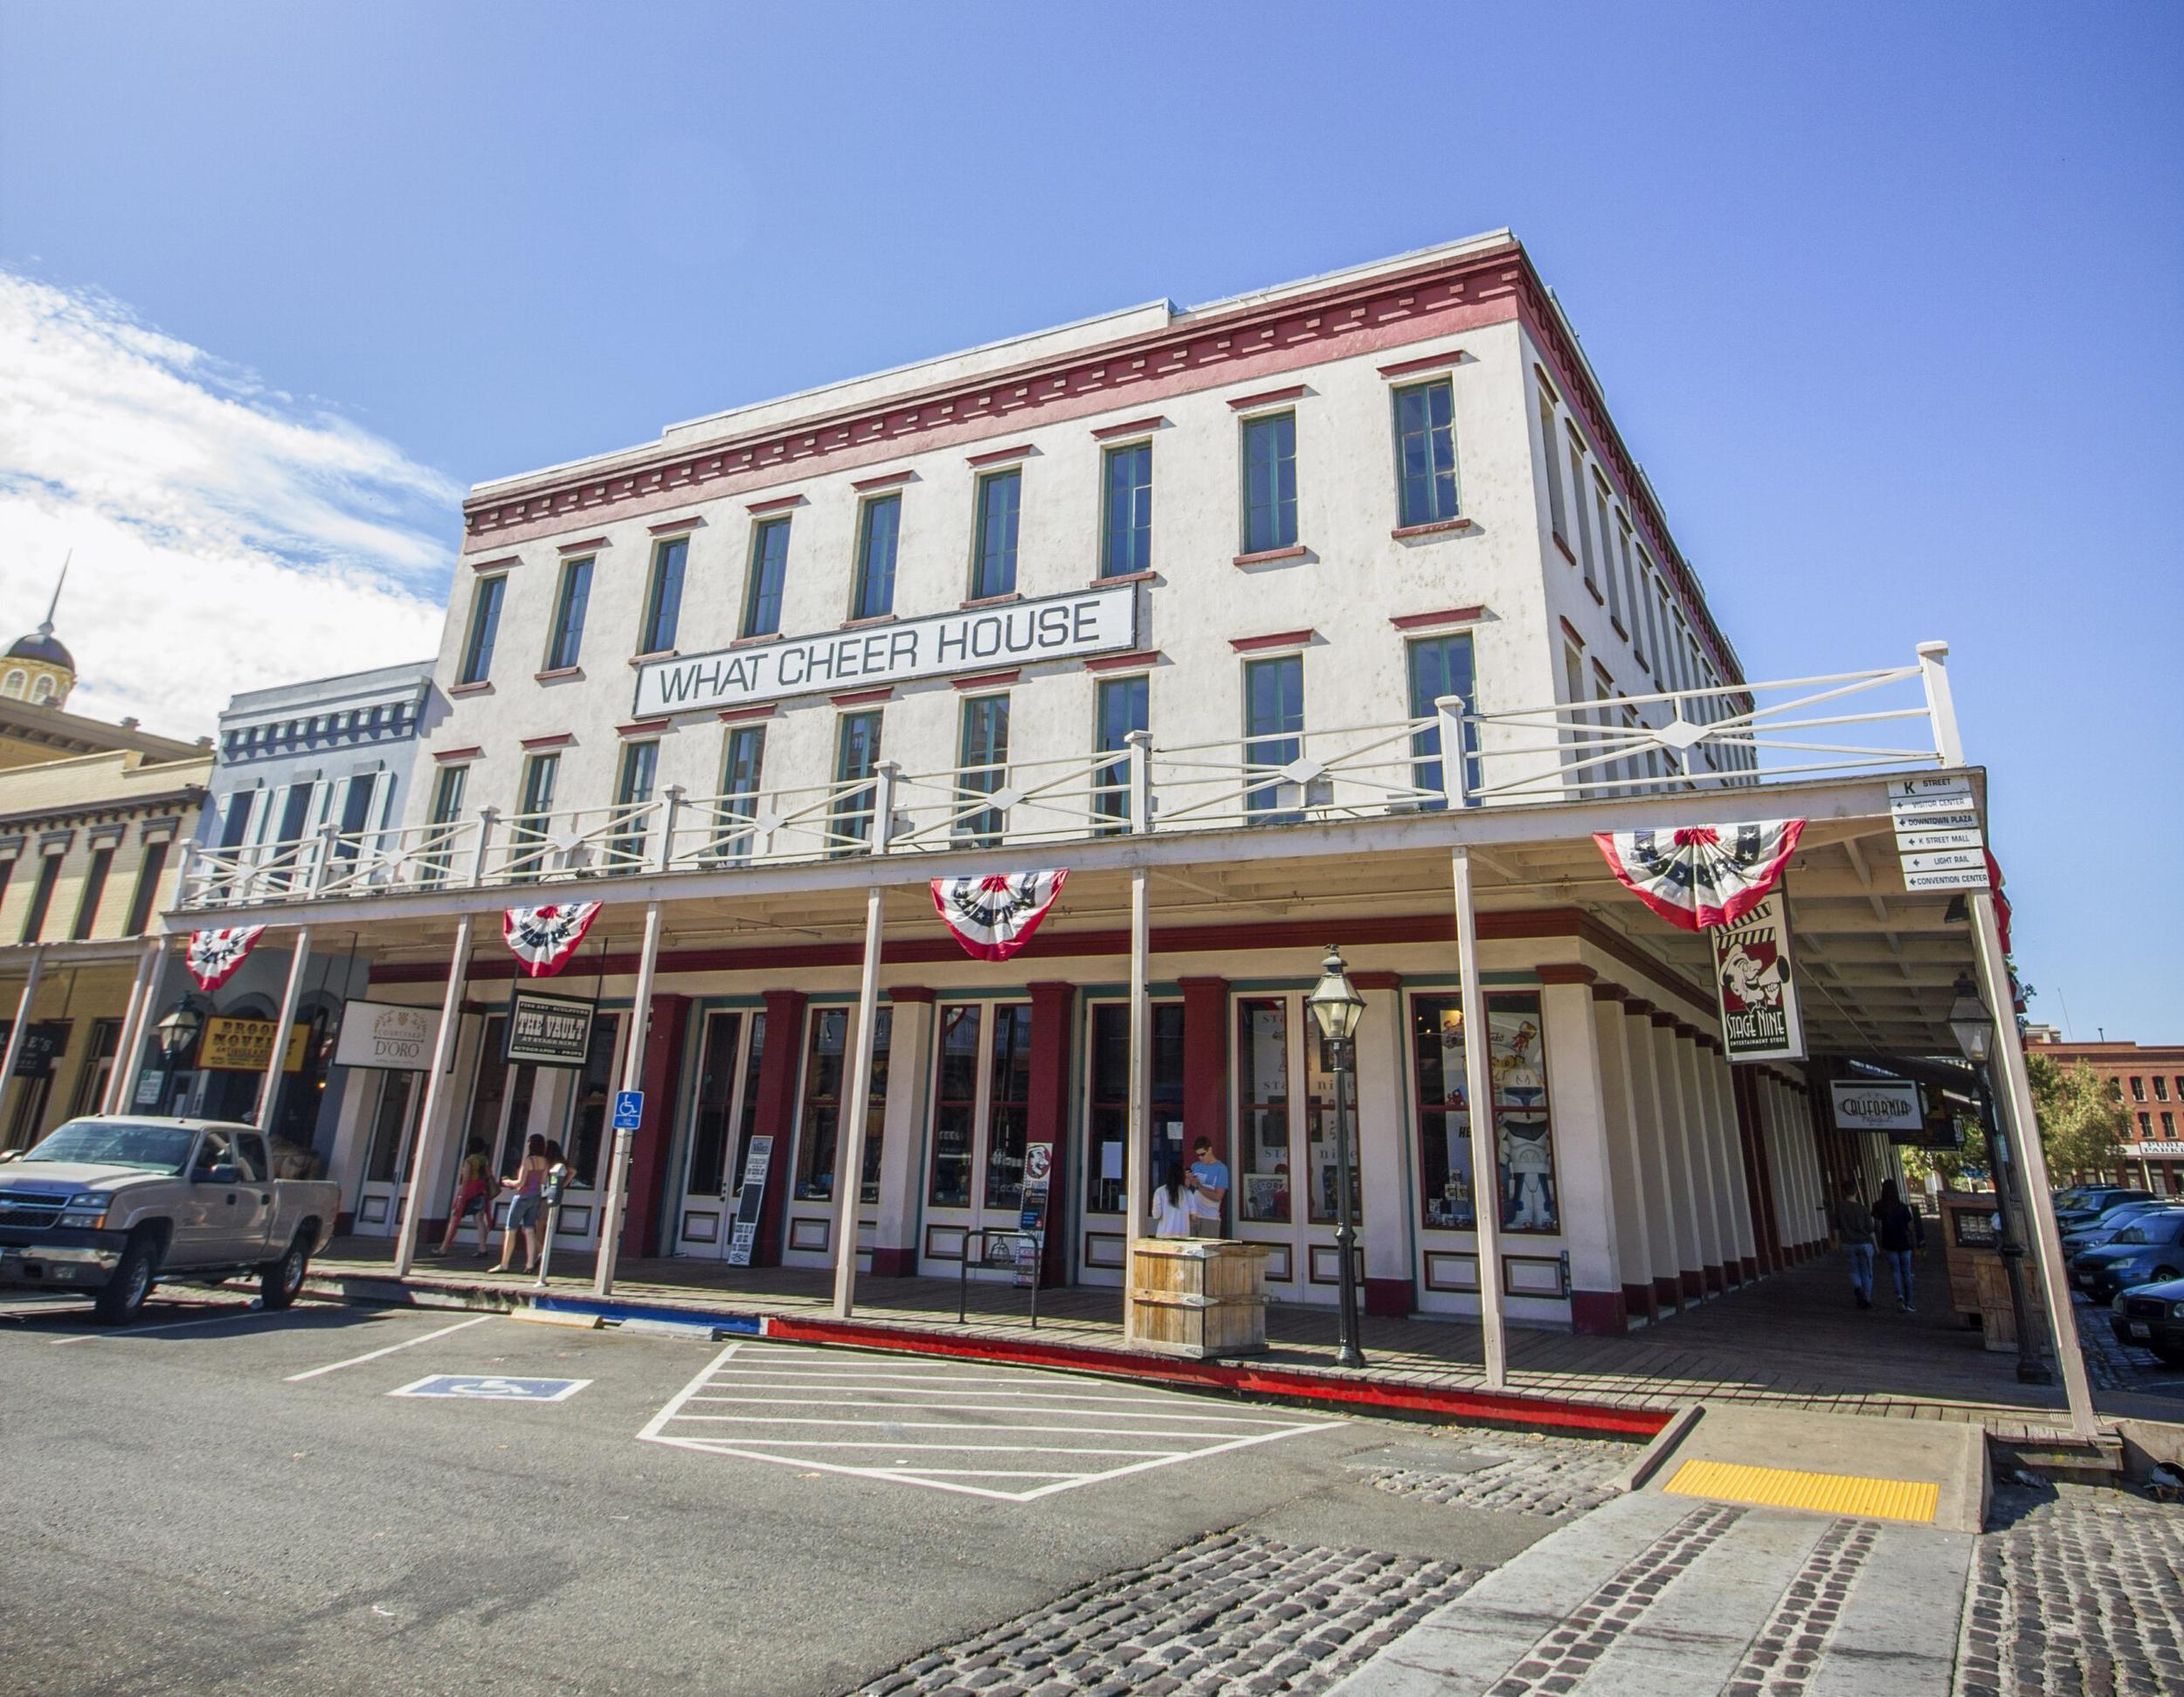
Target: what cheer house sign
(1022, 632)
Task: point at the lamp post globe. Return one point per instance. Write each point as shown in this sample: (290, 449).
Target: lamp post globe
(178, 1029)
(1337, 1007)
(1970, 1021)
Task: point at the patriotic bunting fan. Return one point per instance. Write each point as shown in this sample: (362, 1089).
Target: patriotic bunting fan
(544, 938)
(213, 956)
(994, 917)
(1699, 876)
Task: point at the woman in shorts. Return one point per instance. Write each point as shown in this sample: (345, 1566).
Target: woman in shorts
(529, 1179)
(473, 1191)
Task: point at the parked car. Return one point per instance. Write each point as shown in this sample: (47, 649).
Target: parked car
(116, 1206)
(2104, 1229)
(2152, 1316)
(2149, 1250)
(2094, 1200)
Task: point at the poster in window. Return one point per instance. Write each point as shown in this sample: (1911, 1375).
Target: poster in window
(1524, 1141)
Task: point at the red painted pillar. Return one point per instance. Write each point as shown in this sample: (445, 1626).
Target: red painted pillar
(1206, 1075)
(655, 1134)
(1053, 1008)
(777, 1114)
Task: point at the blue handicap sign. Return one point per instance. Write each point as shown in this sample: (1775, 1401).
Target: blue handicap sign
(629, 1110)
(491, 1388)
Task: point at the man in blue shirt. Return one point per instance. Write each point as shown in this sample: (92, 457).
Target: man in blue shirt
(1209, 1189)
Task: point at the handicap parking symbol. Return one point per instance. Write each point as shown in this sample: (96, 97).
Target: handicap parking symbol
(488, 1388)
(629, 1110)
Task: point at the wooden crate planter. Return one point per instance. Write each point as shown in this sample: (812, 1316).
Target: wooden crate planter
(1199, 1297)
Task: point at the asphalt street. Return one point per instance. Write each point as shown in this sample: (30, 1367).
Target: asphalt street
(224, 1499)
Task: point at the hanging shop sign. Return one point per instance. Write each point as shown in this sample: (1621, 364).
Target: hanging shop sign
(547, 1030)
(44, 1043)
(995, 916)
(1876, 1105)
(213, 956)
(388, 1036)
(542, 938)
(1941, 1136)
(750, 1200)
(2166, 1150)
(1754, 985)
(231, 1045)
(1938, 836)
(1698, 877)
(1023, 633)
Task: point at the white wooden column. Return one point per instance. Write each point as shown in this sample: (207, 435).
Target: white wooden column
(1628, 1174)
(437, 1091)
(909, 1086)
(617, 1214)
(1698, 1150)
(1722, 1169)
(1385, 1211)
(1714, 1083)
(1137, 1159)
(849, 1147)
(143, 995)
(1667, 1220)
(290, 996)
(1695, 1238)
(1584, 1167)
(1486, 1166)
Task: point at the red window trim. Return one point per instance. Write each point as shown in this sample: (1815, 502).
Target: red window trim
(449, 756)
(1273, 640)
(732, 715)
(1297, 551)
(1418, 621)
(559, 739)
(1425, 363)
(1571, 631)
(988, 680)
(1268, 397)
(1135, 661)
(777, 503)
(642, 727)
(1001, 455)
(1432, 528)
(673, 525)
(589, 546)
(1134, 428)
(893, 479)
(496, 564)
(860, 697)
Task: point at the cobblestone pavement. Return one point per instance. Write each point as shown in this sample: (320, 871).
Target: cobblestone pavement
(2076, 1589)
(2116, 1365)
(1229, 1613)
(1556, 1477)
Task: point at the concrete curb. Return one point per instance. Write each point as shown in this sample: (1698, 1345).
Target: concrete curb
(1652, 1458)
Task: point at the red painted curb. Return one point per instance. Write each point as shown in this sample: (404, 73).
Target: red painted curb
(1557, 1413)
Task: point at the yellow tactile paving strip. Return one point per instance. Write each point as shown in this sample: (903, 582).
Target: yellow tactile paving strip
(1824, 1493)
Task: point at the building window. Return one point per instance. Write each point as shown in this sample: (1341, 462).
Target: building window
(955, 1107)
(568, 610)
(1441, 665)
(485, 625)
(663, 600)
(1270, 483)
(527, 830)
(825, 1077)
(1126, 512)
(856, 759)
(1551, 459)
(1120, 706)
(993, 567)
(2161, 1089)
(959, 1092)
(633, 803)
(2138, 1090)
(1585, 525)
(720, 1135)
(1274, 719)
(1425, 452)
(768, 571)
(2168, 1126)
(447, 806)
(147, 891)
(1525, 1184)
(94, 888)
(879, 526)
(1614, 592)
(738, 803)
(2145, 1127)
(1008, 1105)
(1107, 1108)
(42, 896)
(983, 766)
(1262, 1107)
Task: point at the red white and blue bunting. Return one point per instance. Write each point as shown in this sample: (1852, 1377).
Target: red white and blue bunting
(1701, 877)
(214, 956)
(542, 938)
(993, 917)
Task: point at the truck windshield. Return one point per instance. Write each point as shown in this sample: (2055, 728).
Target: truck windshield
(152, 1148)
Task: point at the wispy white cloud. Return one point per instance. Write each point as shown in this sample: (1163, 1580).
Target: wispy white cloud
(226, 537)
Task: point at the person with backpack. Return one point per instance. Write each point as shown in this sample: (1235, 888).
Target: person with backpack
(1854, 1225)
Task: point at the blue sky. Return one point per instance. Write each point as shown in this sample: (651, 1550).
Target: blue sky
(1888, 299)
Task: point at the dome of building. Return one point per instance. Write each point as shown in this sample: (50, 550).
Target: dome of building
(42, 645)
(39, 667)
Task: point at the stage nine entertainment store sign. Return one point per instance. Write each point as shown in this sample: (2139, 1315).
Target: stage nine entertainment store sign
(1059, 627)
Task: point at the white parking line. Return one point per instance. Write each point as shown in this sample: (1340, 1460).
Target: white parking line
(892, 1409)
(241, 1310)
(407, 1343)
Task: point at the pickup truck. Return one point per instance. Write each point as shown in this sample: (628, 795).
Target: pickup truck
(114, 1205)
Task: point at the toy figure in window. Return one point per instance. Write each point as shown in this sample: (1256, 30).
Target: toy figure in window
(1528, 1173)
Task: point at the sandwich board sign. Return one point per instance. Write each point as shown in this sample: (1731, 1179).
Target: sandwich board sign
(750, 1198)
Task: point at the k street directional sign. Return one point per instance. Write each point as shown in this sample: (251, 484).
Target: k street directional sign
(1938, 837)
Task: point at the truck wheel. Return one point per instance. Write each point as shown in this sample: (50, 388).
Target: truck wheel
(122, 1297)
(280, 1283)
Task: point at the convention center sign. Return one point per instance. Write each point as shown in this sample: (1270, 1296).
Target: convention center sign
(1016, 634)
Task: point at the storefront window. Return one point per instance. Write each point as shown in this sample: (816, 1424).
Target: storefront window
(1524, 1134)
(390, 1127)
(955, 1106)
(594, 1096)
(1319, 1133)
(1263, 1095)
(1107, 1115)
(825, 1077)
(716, 1101)
(1008, 1106)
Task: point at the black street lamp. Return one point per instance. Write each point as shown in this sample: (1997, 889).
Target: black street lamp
(1973, 1027)
(1338, 1006)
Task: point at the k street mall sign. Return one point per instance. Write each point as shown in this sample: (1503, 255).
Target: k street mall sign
(1020, 632)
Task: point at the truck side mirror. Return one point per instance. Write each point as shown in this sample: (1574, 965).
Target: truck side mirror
(224, 1174)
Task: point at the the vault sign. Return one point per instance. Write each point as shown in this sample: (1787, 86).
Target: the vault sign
(974, 639)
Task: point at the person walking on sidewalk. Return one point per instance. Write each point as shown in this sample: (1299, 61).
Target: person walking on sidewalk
(473, 1193)
(1901, 1231)
(1854, 1225)
(522, 1232)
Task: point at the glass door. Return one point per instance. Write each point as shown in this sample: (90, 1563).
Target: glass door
(1100, 1242)
(724, 1111)
(814, 1197)
(1285, 1177)
(587, 1136)
(974, 1181)
(385, 1183)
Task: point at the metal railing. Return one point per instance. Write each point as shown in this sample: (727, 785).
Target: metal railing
(1667, 743)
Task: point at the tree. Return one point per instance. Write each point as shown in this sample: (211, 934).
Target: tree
(2082, 1125)
(1970, 1156)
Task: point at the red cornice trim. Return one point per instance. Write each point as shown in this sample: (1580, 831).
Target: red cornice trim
(998, 455)
(1559, 973)
(452, 754)
(1268, 397)
(559, 739)
(692, 521)
(891, 481)
(1429, 362)
(1665, 1021)
(496, 563)
(1265, 555)
(1124, 662)
(589, 546)
(1608, 990)
(1372, 981)
(1571, 631)
(1439, 527)
(779, 503)
(917, 992)
(987, 680)
(733, 715)
(860, 697)
(642, 727)
(1418, 622)
(1134, 428)
(1272, 640)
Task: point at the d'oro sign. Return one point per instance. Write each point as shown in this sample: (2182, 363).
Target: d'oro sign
(387, 1035)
